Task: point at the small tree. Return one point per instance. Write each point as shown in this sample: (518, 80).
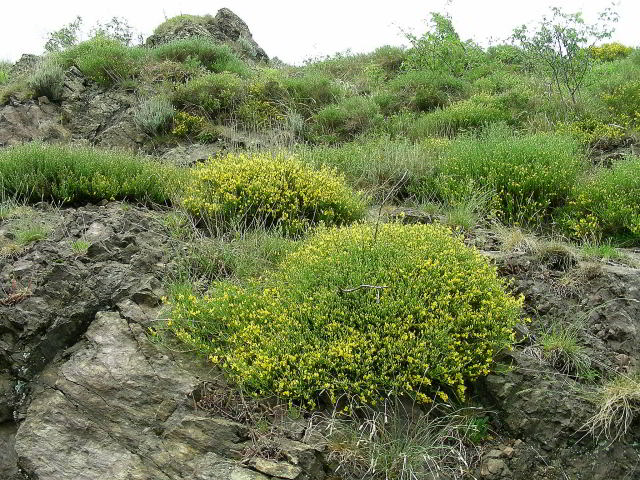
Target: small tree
(117, 28)
(441, 50)
(560, 46)
(64, 38)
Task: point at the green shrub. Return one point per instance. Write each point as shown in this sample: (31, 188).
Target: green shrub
(214, 57)
(175, 23)
(104, 60)
(40, 172)
(422, 90)
(529, 175)
(607, 203)
(216, 94)
(47, 80)
(595, 134)
(240, 191)
(312, 91)
(154, 115)
(507, 54)
(478, 111)
(345, 120)
(320, 329)
(186, 125)
(609, 52)
(623, 103)
(5, 71)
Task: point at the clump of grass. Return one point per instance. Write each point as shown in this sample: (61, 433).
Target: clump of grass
(5, 71)
(154, 115)
(103, 59)
(214, 57)
(602, 251)
(618, 403)
(68, 174)
(47, 80)
(396, 443)
(561, 348)
(80, 246)
(515, 239)
(378, 164)
(345, 120)
(217, 95)
(27, 232)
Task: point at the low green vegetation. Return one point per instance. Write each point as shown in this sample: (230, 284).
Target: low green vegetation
(606, 203)
(366, 311)
(528, 176)
(66, 174)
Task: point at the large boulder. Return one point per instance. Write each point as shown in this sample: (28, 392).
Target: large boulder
(226, 27)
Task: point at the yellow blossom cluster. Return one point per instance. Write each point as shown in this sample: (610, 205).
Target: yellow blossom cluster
(270, 191)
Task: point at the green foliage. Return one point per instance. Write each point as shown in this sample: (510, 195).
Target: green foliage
(40, 172)
(529, 175)
(217, 95)
(421, 90)
(623, 103)
(187, 125)
(345, 120)
(560, 346)
(174, 23)
(474, 113)
(607, 203)
(378, 165)
(441, 50)
(80, 246)
(64, 38)
(104, 60)
(609, 52)
(5, 72)
(117, 28)
(154, 115)
(311, 91)
(322, 329)
(214, 57)
(47, 80)
(558, 46)
(240, 191)
(595, 134)
(509, 55)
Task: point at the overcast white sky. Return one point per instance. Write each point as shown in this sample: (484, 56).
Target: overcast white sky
(296, 29)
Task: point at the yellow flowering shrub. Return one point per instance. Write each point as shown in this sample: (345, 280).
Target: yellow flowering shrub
(272, 191)
(607, 203)
(365, 311)
(609, 52)
(596, 134)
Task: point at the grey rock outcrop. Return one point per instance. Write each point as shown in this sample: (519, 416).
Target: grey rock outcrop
(226, 27)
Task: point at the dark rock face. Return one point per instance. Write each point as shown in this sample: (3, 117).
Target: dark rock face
(84, 393)
(226, 27)
(543, 407)
(32, 120)
(86, 113)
